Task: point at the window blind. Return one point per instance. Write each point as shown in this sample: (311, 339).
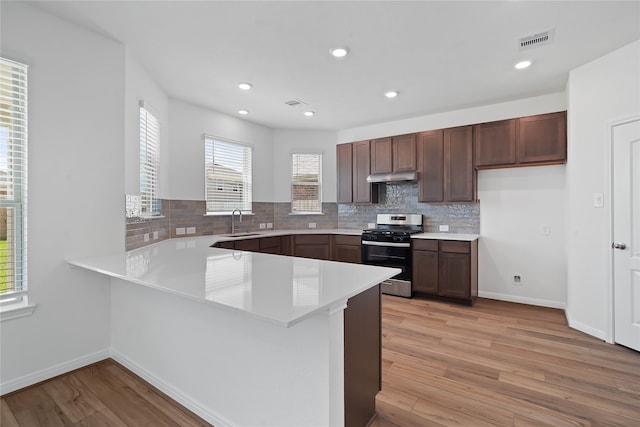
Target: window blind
(13, 180)
(306, 178)
(149, 162)
(228, 176)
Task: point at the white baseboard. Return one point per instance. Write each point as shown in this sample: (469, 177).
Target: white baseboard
(585, 328)
(178, 395)
(54, 371)
(522, 300)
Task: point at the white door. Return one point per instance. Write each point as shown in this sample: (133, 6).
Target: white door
(626, 232)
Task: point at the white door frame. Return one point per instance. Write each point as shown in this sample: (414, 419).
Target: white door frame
(609, 300)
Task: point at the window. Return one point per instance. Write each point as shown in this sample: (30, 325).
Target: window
(13, 182)
(306, 179)
(227, 171)
(149, 162)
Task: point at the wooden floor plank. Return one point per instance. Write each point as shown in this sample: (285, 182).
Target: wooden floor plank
(502, 363)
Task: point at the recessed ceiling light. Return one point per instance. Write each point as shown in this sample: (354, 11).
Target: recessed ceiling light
(309, 113)
(339, 52)
(391, 94)
(243, 112)
(244, 86)
(523, 64)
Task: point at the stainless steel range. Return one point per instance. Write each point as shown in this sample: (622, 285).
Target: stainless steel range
(389, 245)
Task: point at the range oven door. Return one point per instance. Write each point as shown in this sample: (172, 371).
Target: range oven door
(388, 254)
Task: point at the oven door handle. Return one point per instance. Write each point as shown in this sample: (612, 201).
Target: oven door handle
(397, 245)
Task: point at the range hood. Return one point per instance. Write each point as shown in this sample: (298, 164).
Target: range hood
(393, 177)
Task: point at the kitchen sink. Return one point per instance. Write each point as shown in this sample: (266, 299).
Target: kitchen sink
(242, 234)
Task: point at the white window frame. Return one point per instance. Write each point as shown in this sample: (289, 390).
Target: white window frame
(240, 159)
(149, 161)
(316, 157)
(13, 303)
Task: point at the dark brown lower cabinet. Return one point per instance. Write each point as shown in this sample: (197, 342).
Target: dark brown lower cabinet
(446, 269)
(347, 248)
(362, 357)
(316, 246)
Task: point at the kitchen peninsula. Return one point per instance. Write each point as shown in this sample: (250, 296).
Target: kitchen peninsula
(245, 338)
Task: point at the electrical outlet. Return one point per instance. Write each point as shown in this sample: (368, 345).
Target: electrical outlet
(598, 200)
(444, 228)
(545, 230)
(155, 235)
(371, 225)
(146, 237)
(191, 230)
(312, 225)
(179, 231)
(517, 280)
(269, 225)
(263, 226)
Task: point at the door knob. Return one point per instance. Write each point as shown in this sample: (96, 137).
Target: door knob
(619, 245)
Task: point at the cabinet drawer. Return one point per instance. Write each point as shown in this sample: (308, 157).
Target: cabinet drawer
(312, 239)
(455, 246)
(425, 245)
(342, 239)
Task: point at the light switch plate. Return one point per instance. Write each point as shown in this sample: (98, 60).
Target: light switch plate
(269, 225)
(312, 225)
(191, 230)
(146, 237)
(155, 235)
(371, 225)
(263, 225)
(179, 231)
(444, 228)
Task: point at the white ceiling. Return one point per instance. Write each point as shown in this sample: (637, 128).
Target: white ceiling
(440, 55)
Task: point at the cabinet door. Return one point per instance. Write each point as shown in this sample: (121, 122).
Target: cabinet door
(425, 272)
(543, 138)
(270, 245)
(312, 246)
(495, 143)
(362, 190)
(459, 174)
(430, 164)
(455, 275)
(252, 245)
(381, 155)
(362, 357)
(344, 162)
(404, 153)
(347, 253)
(229, 244)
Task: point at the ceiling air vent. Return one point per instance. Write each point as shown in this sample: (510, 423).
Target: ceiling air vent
(295, 103)
(536, 40)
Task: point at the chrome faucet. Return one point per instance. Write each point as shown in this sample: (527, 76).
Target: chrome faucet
(233, 220)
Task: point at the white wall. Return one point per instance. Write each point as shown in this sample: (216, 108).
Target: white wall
(186, 149)
(514, 203)
(486, 113)
(140, 86)
(76, 183)
(516, 206)
(599, 93)
(300, 141)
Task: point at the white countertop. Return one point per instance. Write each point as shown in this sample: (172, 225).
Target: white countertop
(280, 289)
(268, 233)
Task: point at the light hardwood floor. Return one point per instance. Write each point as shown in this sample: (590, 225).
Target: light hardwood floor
(499, 364)
(493, 364)
(102, 394)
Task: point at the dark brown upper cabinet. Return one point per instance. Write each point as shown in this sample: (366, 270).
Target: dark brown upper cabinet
(445, 165)
(344, 163)
(542, 139)
(393, 154)
(525, 141)
(495, 143)
(430, 166)
(459, 174)
(363, 191)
